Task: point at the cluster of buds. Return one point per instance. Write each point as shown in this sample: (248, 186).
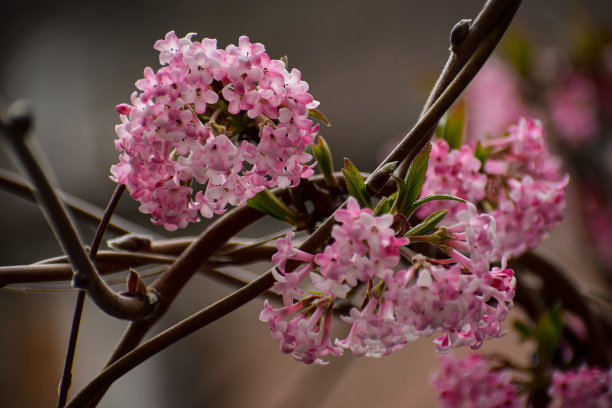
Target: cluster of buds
(212, 128)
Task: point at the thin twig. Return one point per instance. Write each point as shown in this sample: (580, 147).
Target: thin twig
(466, 37)
(66, 379)
(108, 262)
(85, 274)
(80, 209)
(406, 148)
(171, 336)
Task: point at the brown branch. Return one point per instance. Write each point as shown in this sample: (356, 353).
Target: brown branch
(66, 379)
(85, 274)
(466, 39)
(108, 262)
(80, 209)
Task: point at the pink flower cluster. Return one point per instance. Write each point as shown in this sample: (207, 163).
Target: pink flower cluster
(489, 115)
(573, 109)
(232, 121)
(460, 296)
(585, 387)
(521, 185)
(466, 382)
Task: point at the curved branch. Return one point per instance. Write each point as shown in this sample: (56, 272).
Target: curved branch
(169, 337)
(66, 379)
(420, 135)
(85, 274)
(79, 208)
(108, 262)
(466, 38)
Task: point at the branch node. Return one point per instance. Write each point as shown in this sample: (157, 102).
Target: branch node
(20, 119)
(80, 280)
(460, 32)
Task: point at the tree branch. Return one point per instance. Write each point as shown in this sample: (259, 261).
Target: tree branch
(85, 274)
(466, 39)
(80, 209)
(66, 379)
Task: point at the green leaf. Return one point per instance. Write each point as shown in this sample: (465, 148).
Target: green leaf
(524, 330)
(286, 61)
(408, 190)
(355, 185)
(518, 50)
(428, 224)
(451, 126)
(317, 114)
(548, 331)
(383, 207)
(429, 198)
(266, 202)
(482, 153)
(416, 174)
(323, 156)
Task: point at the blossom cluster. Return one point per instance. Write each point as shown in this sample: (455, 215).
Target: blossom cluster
(585, 387)
(461, 296)
(473, 382)
(232, 121)
(465, 382)
(520, 184)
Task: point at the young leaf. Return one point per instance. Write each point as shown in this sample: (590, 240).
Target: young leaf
(383, 207)
(317, 114)
(519, 51)
(355, 185)
(429, 198)
(408, 190)
(416, 174)
(548, 331)
(323, 155)
(266, 202)
(524, 330)
(482, 153)
(451, 126)
(428, 224)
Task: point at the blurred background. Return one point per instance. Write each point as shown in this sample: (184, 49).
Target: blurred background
(370, 65)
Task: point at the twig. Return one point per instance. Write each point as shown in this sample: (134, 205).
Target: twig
(66, 379)
(85, 274)
(406, 148)
(79, 208)
(466, 38)
(107, 262)
(171, 336)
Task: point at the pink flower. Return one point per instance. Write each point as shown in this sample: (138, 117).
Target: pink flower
(493, 101)
(198, 118)
(399, 305)
(572, 109)
(465, 382)
(521, 186)
(585, 387)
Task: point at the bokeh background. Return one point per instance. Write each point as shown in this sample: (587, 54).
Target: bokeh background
(370, 64)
